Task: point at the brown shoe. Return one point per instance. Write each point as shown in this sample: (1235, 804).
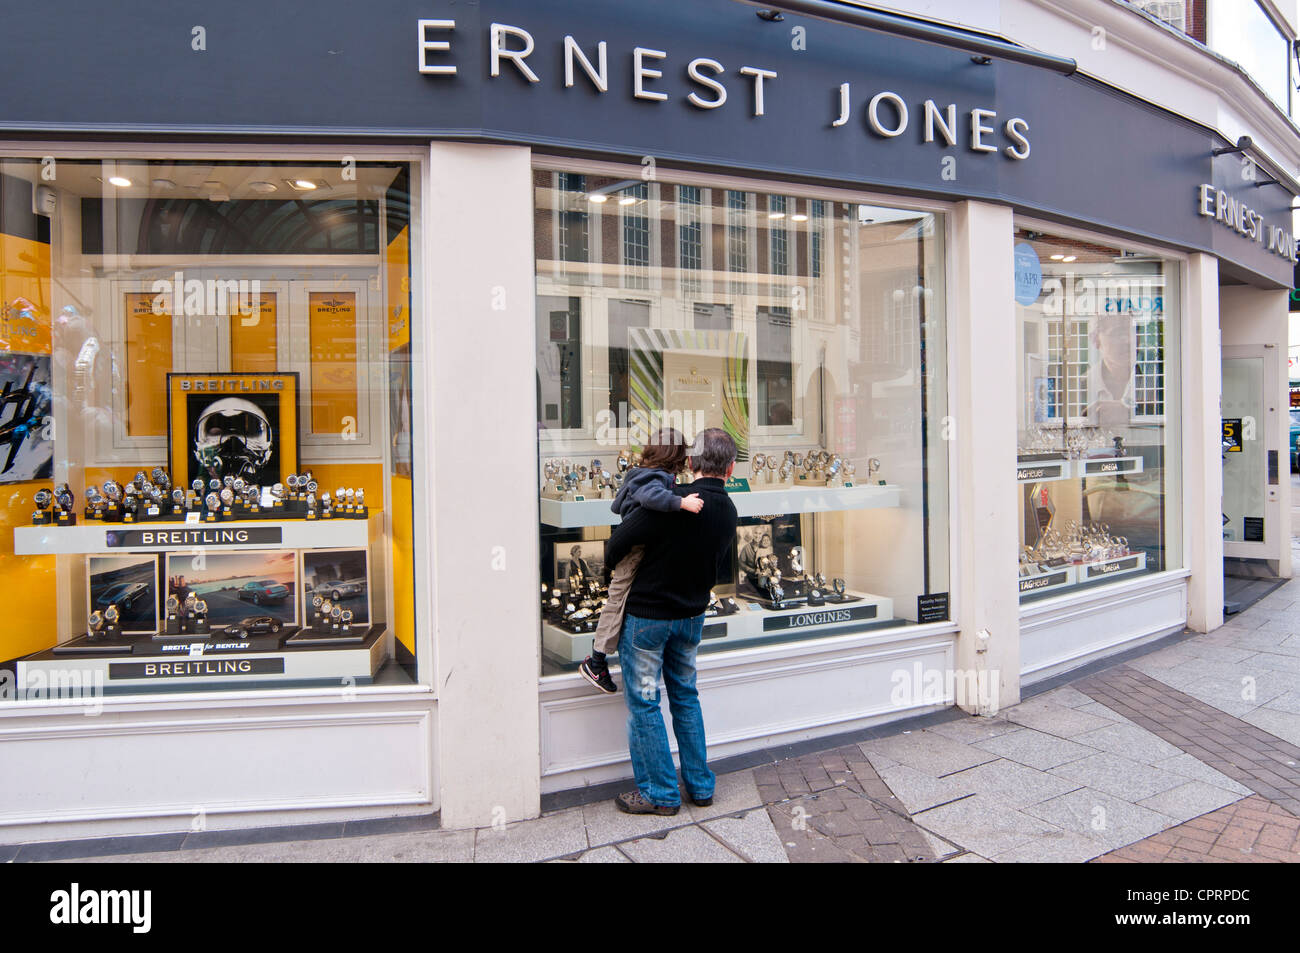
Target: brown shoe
(633, 803)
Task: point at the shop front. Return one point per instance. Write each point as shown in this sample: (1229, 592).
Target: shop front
(315, 377)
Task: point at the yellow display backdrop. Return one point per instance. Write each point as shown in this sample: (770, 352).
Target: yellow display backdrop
(275, 395)
(24, 295)
(332, 320)
(398, 301)
(253, 337)
(148, 361)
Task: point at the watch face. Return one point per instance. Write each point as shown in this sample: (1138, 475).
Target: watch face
(212, 500)
(178, 495)
(316, 602)
(311, 486)
(228, 480)
(140, 478)
(214, 484)
(336, 613)
(111, 614)
(96, 620)
(277, 491)
(173, 603)
(112, 490)
(292, 481)
(200, 606)
(347, 615)
(42, 498)
(361, 497)
(238, 485)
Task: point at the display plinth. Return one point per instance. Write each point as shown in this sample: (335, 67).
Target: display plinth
(92, 537)
(748, 623)
(571, 514)
(202, 665)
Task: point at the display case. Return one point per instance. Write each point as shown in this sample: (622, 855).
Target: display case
(811, 329)
(215, 477)
(1097, 463)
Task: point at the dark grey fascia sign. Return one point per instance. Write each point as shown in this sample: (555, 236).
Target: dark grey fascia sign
(1245, 221)
(833, 99)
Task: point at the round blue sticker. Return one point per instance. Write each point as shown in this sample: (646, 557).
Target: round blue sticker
(1029, 274)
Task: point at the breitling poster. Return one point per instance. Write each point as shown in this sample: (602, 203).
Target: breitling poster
(26, 451)
(238, 425)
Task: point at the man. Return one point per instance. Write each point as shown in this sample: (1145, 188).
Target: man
(664, 623)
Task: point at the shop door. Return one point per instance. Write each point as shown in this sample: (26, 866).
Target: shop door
(1250, 460)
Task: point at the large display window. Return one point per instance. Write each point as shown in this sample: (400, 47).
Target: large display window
(809, 326)
(1098, 328)
(206, 419)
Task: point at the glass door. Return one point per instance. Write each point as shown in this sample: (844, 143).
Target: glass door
(1246, 532)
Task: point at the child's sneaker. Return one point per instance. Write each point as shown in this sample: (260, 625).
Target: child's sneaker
(597, 672)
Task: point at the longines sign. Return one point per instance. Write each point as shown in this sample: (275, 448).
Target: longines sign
(884, 112)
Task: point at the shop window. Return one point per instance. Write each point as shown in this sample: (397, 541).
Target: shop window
(833, 406)
(1098, 461)
(219, 491)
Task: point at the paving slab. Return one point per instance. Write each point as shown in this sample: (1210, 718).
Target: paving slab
(1290, 702)
(1035, 749)
(1055, 719)
(551, 835)
(968, 858)
(1012, 783)
(1096, 815)
(1066, 695)
(751, 836)
(973, 728)
(926, 751)
(1118, 776)
(606, 824)
(1189, 800)
(735, 791)
(1053, 847)
(918, 791)
(1196, 770)
(686, 845)
(1283, 724)
(982, 824)
(1130, 741)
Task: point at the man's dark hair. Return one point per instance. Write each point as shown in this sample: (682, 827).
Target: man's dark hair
(713, 452)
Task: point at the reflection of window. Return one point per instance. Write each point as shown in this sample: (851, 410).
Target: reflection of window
(690, 236)
(1149, 368)
(816, 253)
(636, 237)
(778, 241)
(775, 370)
(573, 225)
(1067, 369)
(559, 374)
(712, 317)
(623, 315)
(737, 239)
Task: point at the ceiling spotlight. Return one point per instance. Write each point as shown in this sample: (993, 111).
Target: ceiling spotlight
(775, 215)
(627, 200)
(798, 217)
(1057, 257)
(598, 197)
(120, 181)
(164, 185)
(262, 186)
(1069, 258)
(219, 197)
(305, 184)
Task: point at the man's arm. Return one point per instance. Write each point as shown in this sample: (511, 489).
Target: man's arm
(636, 530)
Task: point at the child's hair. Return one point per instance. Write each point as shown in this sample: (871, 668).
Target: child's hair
(665, 451)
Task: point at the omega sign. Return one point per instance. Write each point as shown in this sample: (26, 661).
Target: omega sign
(886, 114)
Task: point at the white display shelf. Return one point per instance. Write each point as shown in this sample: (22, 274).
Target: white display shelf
(93, 537)
(751, 622)
(570, 514)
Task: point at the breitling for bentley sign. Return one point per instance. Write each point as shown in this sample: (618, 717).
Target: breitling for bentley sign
(885, 113)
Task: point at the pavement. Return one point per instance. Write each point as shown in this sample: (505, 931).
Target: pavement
(1189, 752)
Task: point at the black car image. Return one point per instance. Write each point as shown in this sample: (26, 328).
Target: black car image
(253, 625)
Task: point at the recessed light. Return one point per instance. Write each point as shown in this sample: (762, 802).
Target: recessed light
(1057, 257)
(305, 184)
(120, 181)
(775, 215)
(1070, 258)
(164, 185)
(262, 186)
(798, 217)
(597, 197)
(219, 197)
(627, 200)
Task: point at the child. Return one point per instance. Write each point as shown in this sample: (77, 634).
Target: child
(649, 485)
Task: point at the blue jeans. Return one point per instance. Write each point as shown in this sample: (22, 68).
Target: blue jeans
(647, 648)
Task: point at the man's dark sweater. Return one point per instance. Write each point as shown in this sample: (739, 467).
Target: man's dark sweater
(684, 552)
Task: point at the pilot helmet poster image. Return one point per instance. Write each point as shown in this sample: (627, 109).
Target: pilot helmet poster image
(26, 452)
(239, 425)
